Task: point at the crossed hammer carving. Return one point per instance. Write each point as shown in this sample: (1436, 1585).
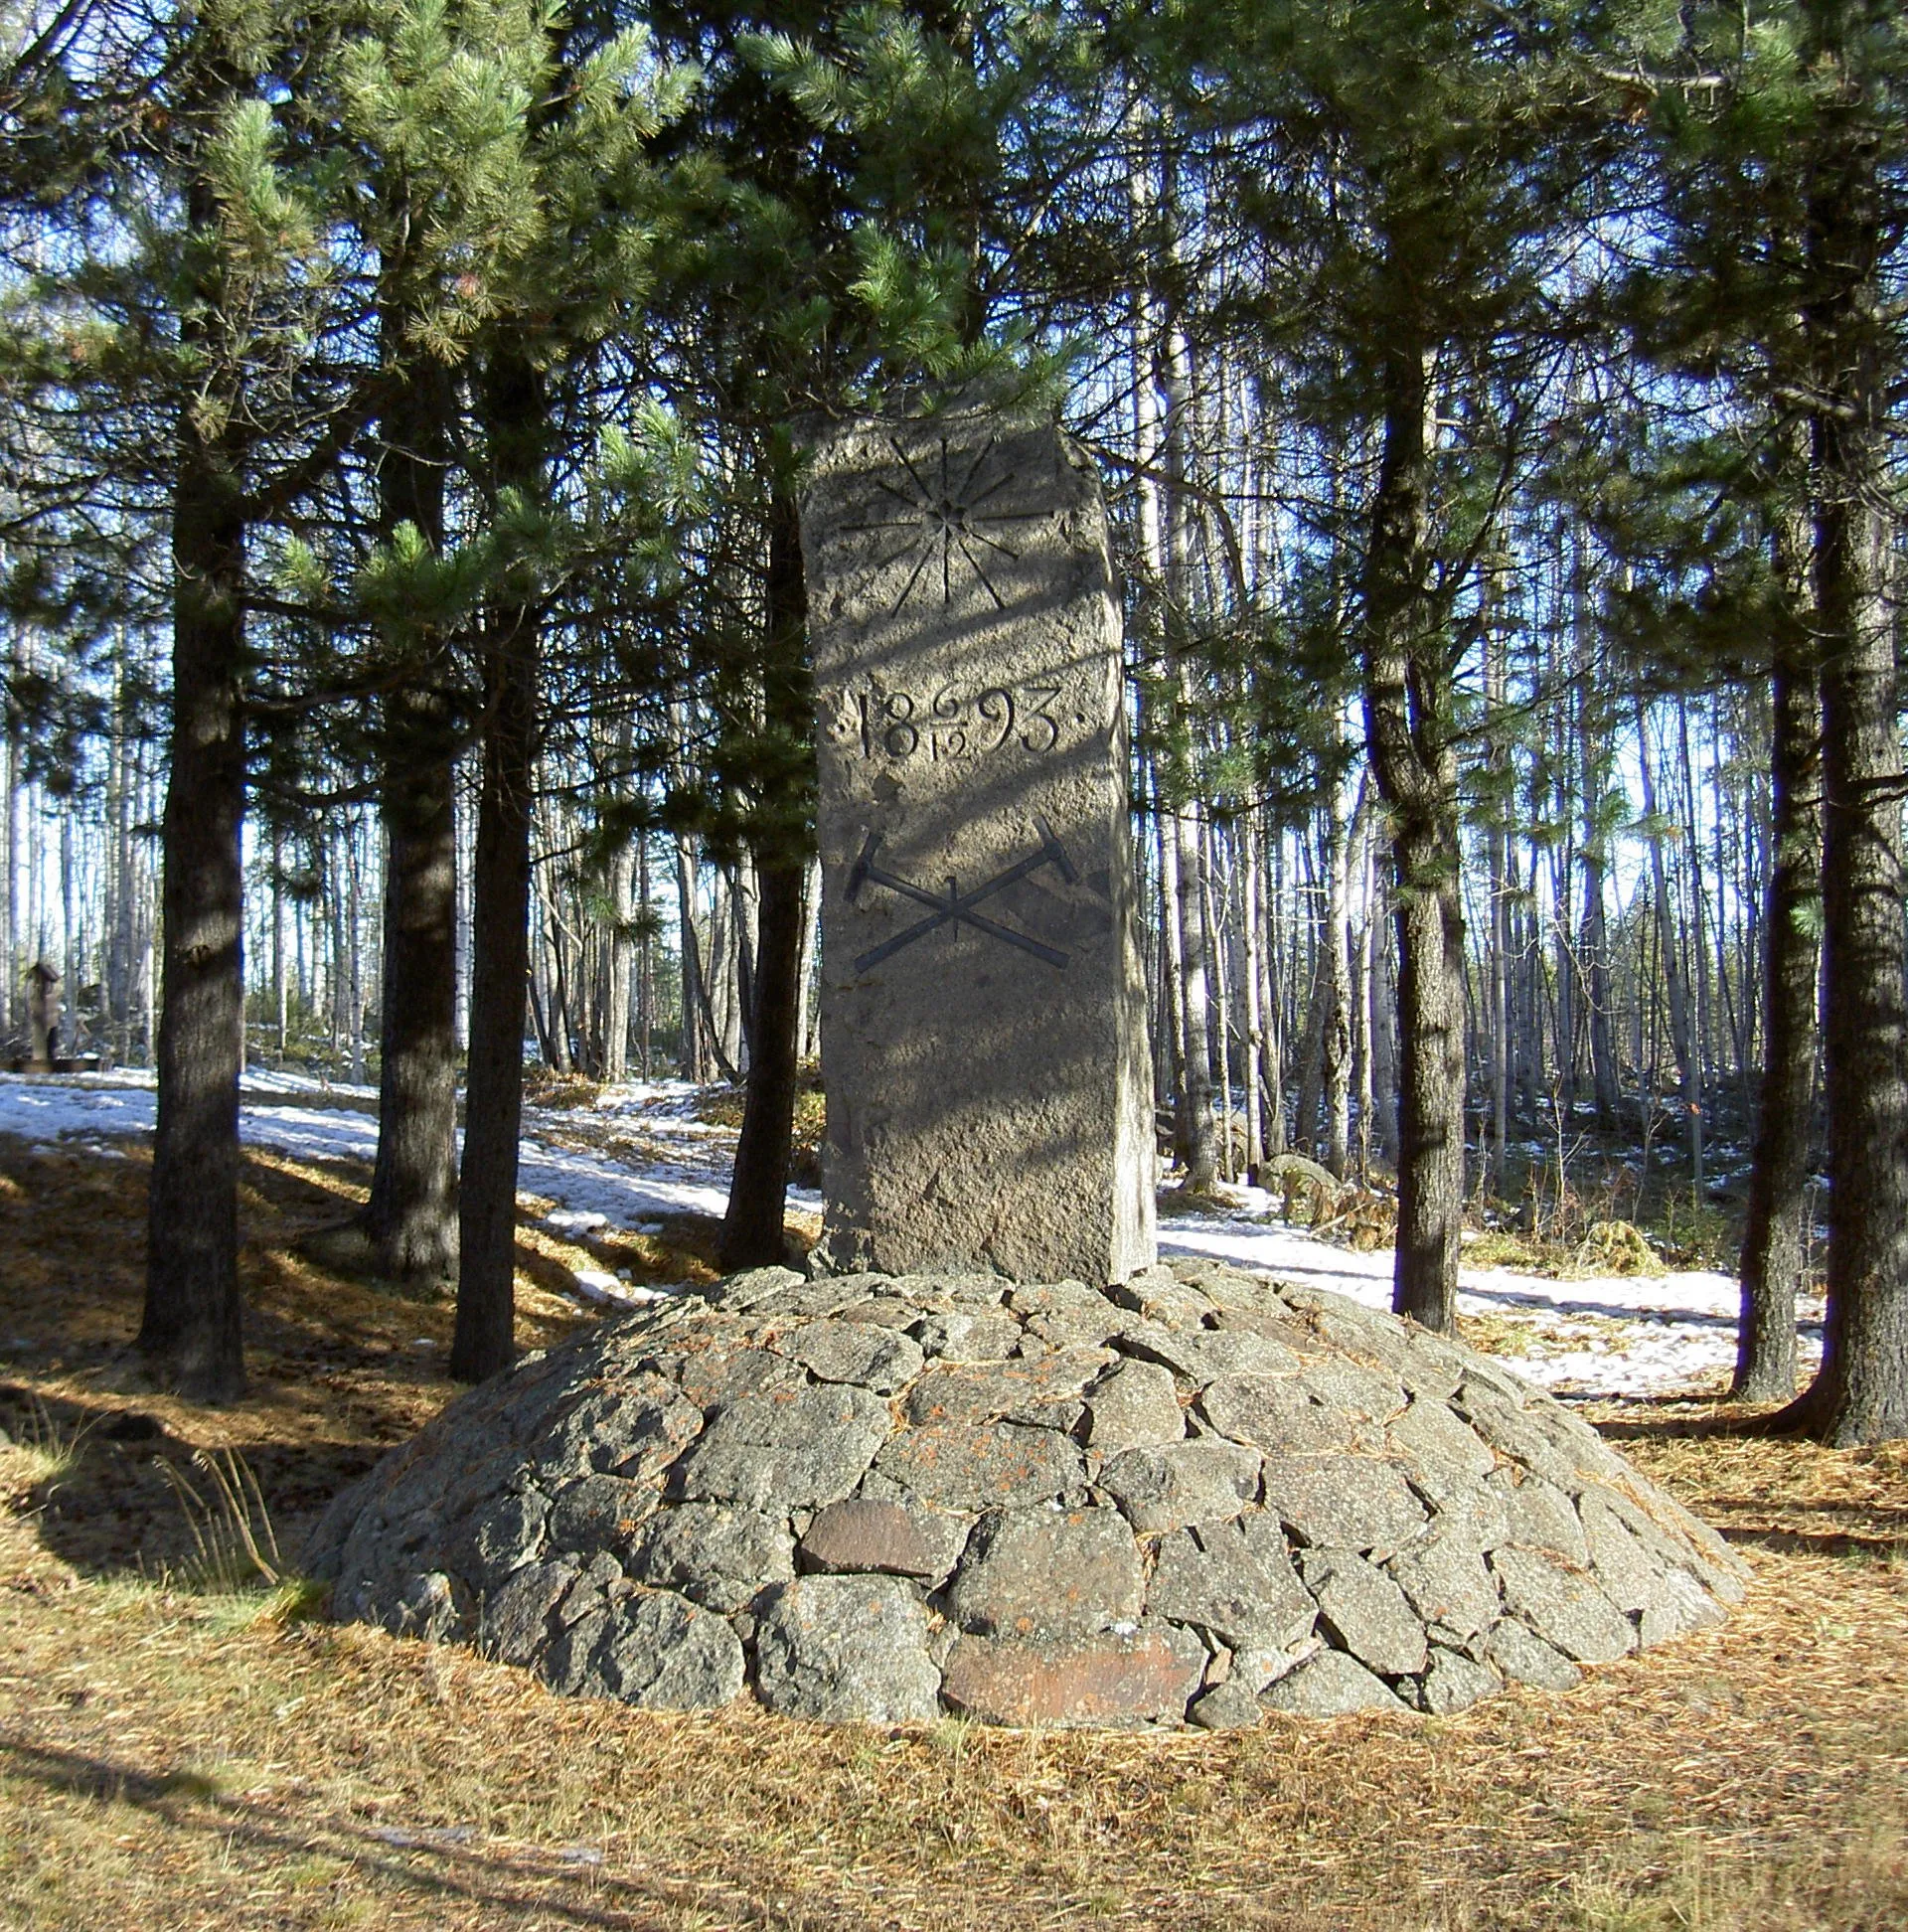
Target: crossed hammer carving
(954, 906)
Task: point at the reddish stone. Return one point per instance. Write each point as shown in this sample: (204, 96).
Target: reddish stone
(1146, 1677)
(862, 1534)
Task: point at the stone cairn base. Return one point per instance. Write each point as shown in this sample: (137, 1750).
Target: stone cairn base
(1197, 1497)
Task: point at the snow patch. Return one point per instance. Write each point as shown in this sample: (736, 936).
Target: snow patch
(1600, 1335)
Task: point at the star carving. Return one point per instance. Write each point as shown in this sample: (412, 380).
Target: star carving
(942, 519)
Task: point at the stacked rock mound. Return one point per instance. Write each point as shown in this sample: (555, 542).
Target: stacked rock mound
(1198, 1495)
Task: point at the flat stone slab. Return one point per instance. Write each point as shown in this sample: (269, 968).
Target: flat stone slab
(1233, 1579)
(1029, 1508)
(1331, 1684)
(1119, 1679)
(864, 1532)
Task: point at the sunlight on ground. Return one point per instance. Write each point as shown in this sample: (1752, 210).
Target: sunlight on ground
(178, 1750)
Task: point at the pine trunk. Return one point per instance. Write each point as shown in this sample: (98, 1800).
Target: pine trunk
(412, 1217)
(1772, 1243)
(1250, 973)
(614, 1019)
(691, 1062)
(1193, 1130)
(484, 1336)
(1408, 704)
(1335, 982)
(1861, 1392)
(190, 1329)
(752, 1230)
(412, 1214)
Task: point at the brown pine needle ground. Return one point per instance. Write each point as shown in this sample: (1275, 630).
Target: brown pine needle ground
(172, 1758)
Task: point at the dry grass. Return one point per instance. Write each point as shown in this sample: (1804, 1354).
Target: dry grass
(173, 1759)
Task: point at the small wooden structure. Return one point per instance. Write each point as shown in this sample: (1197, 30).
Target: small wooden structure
(43, 1011)
(43, 1017)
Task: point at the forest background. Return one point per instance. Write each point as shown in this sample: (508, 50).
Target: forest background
(403, 409)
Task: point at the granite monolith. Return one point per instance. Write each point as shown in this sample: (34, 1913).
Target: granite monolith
(989, 1090)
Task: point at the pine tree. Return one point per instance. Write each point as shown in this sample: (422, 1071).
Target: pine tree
(1409, 181)
(438, 104)
(1851, 53)
(595, 105)
(244, 239)
(1782, 213)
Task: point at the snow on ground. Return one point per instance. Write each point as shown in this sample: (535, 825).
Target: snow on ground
(43, 1109)
(1602, 1335)
(1597, 1334)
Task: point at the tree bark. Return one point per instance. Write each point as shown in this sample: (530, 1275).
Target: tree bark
(1593, 761)
(1250, 973)
(1408, 704)
(691, 1061)
(1193, 1138)
(1772, 1243)
(1334, 984)
(752, 1227)
(412, 1217)
(1382, 1019)
(619, 957)
(483, 1341)
(1675, 985)
(191, 1330)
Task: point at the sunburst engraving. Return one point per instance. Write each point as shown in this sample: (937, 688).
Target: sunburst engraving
(942, 521)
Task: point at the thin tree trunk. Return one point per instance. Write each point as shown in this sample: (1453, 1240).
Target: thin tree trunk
(190, 1327)
(810, 938)
(1407, 703)
(615, 1014)
(549, 959)
(280, 986)
(411, 1217)
(353, 960)
(752, 1227)
(1169, 1034)
(1380, 1019)
(1221, 995)
(1362, 969)
(10, 1000)
(1305, 1119)
(1334, 982)
(1272, 1055)
(1250, 968)
(1593, 755)
(1681, 1044)
(646, 961)
(1192, 1125)
(1772, 1243)
(692, 1062)
(483, 1340)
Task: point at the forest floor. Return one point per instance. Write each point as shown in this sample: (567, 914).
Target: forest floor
(180, 1748)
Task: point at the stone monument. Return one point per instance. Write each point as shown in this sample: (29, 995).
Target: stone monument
(989, 1462)
(983, 1005)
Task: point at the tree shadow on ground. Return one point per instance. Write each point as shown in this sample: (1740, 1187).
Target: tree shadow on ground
(456, 1867)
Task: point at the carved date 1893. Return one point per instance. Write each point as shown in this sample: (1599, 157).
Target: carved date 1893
(959, 723)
